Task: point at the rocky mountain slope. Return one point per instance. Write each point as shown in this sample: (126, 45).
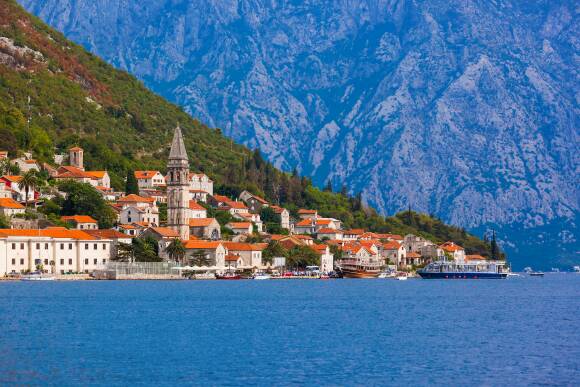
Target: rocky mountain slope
(464, 109)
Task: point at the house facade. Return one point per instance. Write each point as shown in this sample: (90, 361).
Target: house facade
(56, 250)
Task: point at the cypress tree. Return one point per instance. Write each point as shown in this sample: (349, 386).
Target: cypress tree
(494, 249)
(131, 186)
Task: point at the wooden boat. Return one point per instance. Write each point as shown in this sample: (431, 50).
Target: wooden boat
(360, 272)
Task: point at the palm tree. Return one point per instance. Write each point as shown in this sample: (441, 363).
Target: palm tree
(176, 250)
(5, 167)
(29, 182)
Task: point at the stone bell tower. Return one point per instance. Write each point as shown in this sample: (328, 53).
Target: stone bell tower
(178, 186)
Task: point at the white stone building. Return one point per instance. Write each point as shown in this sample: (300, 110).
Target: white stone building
(57, 250)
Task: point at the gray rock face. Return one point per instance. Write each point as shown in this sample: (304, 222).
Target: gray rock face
(465, 109)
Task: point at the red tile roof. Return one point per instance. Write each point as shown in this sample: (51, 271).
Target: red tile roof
(303, 211)
(166, 232)
(239, 224)
(193, 205)
(52, 232)
(132, 198)
(12, 178)
(198, 244)
(10, 203)
(329, 231)
(78, 219)
(237, 246)
(200, 222)
(108, 234)
(145, 174)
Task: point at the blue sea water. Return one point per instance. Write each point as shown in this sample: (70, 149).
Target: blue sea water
(338, 332)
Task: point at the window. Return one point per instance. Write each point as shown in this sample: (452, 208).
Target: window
(38, 246)
(13, 246)
(70, 261)
(62, 246)
(86, 246)
(95, 261)
(104, 261)
(82, 226)
(22, 261)
(129, 219)
(62, 261)
(22, 246)
(46, 261)
(95, 246)
(46, 246)
(104, 246)
(86, 261)
(70, 246)
(14, 261)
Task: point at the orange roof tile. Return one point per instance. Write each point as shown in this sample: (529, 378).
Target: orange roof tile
(107, 234)
(239, 224)
(198, 244)
(193, 205)
(304, 223)
(54, 232)
(10, 203)
(76, 149)
(391, 245)
(304, 211)
(13, 178)
(238, 205)
(355, 231)
(237, 246)
(232, 258)
(145, 174)
(78, 219)
(305, 237)
(166, 232)
(132, 198)
(412, 254)
(96, 174)
(451, 247)
(329, 231)
(201, 222)
(474, 257)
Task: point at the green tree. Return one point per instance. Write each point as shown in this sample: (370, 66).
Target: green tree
(494, 248)
(146, 250)
(176, 250)
(302, 256)
(199, 259)
(4, 222)
(29, 182)
(131, 185)
(83, 199)
(125, 252)
(273, 250)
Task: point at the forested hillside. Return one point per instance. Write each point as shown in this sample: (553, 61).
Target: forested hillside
(72, 97)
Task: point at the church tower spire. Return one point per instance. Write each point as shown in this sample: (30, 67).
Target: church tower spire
(177, 186)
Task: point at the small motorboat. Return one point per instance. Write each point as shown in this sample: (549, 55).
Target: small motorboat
(262, 276)
(401, 277)
(536, 274)
(37, 276)
(324, 276)
(228, 276)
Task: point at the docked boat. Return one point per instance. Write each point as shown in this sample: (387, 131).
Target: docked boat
(576, 269)
(455, 270)
(262, 276)
(402, 277)
(228, 276)
(37, 276)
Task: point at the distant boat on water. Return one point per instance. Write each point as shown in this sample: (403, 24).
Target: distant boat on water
(576, 269)
(536, 274)
(37, 276)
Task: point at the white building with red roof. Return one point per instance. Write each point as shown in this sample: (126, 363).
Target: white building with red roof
(55, 249)
(81, 222)
(200, 182)
(135, 208)
(455, 251)
(10, 207)
(149, 179)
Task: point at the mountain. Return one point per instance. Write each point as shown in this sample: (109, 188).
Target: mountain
(464, 109)
(54, 94)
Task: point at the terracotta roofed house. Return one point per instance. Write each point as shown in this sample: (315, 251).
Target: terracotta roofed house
(81, 222)
(10, 207)
(149, 179)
